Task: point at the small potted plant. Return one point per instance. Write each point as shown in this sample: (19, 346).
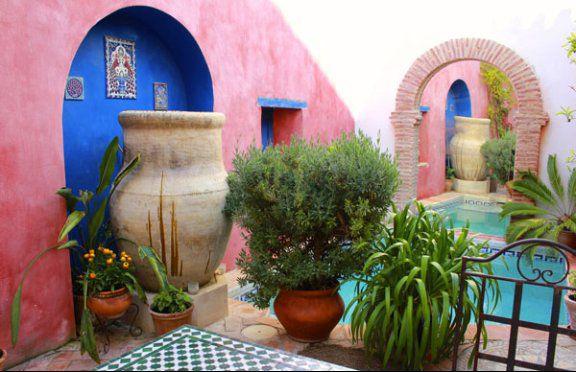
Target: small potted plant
(499, 155)
(570, 299)
(110, 283)
(171, 306)
(308, 210)
(449, 181)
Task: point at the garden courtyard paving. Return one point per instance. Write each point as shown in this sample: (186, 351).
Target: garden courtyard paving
(247, 323)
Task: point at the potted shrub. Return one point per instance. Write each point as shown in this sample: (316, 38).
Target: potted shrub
(407, 293)
(171, 306)
(110, 282)
(570, 299)
(554, 216)
(87, 219)
(307, 209)
(499, 154)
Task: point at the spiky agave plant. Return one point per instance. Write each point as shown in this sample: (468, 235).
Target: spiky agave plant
(406, 298)
(555, 208)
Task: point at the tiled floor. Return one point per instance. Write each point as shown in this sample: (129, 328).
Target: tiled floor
(249, 324)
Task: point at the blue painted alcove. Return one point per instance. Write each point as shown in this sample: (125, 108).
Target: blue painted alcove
(165, 52)
(457, 104)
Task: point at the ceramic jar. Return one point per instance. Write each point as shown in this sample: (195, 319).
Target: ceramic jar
(174, 200)
(467, 160)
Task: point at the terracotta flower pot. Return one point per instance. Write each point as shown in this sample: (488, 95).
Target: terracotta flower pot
(110, 305)
(164, 323)
(3, 357)
(309, 316)
(569, 238)
(448, 184)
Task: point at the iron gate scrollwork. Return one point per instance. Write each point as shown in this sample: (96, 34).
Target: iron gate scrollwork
(537, 277)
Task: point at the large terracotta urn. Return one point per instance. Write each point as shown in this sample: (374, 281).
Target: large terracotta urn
(173, 201)
(467, 159)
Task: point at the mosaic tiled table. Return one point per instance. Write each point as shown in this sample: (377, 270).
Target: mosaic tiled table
(191, 349)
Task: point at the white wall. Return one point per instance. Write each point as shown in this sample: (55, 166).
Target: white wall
(366, 46)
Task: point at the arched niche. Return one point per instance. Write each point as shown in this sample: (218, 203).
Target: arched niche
(165, 52)
(527, 120)
(458, 103)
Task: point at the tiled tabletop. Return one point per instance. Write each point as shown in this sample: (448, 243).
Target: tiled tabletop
(191, 349)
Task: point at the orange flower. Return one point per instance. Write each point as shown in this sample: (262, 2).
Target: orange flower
(91, 259)
(125, 265)
(129, 259)
(123, 259)
(86, 256)
(109, 261)
(92, 275)
(91, 251)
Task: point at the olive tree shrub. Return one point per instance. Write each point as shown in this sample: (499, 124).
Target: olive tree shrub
(307, 211)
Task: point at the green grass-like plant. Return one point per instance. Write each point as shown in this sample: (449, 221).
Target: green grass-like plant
(305, 207)
(555, 208)
(407, 295)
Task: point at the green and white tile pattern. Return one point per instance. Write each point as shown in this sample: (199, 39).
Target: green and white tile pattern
(190, 349)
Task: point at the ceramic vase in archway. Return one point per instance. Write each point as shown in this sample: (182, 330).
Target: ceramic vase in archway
(467, 159)
(174, 200)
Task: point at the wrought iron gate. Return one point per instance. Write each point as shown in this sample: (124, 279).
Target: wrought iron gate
(537, 277)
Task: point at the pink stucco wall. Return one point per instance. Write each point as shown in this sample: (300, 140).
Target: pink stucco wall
(250, 51)
(432, 148)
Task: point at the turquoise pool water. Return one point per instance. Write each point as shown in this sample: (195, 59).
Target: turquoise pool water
(483, 215)
(536, 301)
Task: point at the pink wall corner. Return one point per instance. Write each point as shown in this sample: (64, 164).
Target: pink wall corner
(432, 148)
(251, 52)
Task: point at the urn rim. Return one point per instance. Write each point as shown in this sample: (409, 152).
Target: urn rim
(164, 119)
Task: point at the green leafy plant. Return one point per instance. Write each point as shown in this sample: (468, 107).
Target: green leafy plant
(500, 97)
(407, 294)
(169, 300)
(450, 173)
(555, 210)
(499, 154)
(87, 215)
(306, 208)
(106, 272)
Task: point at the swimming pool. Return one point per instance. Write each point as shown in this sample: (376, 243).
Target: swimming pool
(536, 301)
(482, 214)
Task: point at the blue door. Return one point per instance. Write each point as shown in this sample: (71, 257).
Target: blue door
(267, 127)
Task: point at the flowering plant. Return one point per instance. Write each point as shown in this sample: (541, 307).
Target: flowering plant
(87, 218)
(106, 272)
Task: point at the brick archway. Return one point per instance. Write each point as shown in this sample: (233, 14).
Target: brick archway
(527, 120)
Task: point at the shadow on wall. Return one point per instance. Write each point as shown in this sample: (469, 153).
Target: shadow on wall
(164, 51)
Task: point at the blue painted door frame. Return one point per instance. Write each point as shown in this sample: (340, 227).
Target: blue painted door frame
(267, 127)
